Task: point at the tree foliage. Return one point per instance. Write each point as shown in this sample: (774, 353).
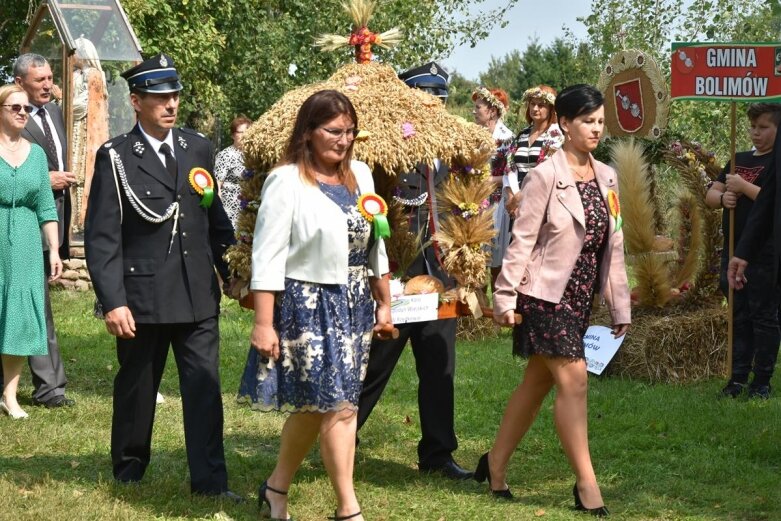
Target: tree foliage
(241, 56)
(650, 26)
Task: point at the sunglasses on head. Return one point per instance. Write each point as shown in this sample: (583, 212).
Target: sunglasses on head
(16, 107)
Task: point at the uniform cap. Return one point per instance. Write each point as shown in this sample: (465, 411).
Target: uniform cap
(430, 77)
(156, 75)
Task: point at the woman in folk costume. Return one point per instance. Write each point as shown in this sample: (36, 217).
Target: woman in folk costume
(535, 143)
(490, 107)
(90, 123)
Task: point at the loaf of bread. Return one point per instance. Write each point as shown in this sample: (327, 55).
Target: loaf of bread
(423, 284)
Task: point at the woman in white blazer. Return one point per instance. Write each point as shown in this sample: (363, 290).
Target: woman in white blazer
(315, 269)
(566, 246)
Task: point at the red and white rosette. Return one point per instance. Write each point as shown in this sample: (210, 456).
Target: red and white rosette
(375, 210)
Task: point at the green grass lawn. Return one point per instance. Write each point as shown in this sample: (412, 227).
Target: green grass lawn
(660, 452)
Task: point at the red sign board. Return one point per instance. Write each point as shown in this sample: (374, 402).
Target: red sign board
(726, 71)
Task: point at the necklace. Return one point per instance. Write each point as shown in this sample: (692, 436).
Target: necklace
(12, 149)
(580, 176)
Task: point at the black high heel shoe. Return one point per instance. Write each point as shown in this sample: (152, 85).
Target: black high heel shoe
(262, 498)
(343, 518)
(596, 512)
(483, 472)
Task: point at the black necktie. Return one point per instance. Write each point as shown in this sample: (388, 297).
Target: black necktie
(170, 160)
(51, 148)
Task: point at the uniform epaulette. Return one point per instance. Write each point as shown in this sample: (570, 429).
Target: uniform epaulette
(115, 141)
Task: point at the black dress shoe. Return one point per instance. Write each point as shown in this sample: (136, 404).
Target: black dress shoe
(448, 468)
(226, 495)
(58, 401)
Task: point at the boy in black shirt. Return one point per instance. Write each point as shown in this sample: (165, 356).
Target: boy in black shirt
(756, 333)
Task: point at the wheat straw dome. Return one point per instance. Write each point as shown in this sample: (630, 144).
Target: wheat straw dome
(389, 110)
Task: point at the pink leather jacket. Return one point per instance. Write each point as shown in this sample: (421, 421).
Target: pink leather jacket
(547, 238)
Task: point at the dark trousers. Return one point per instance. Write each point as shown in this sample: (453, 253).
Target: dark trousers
(434, 348)
(756, 333)
(47, 371)
(141, 363)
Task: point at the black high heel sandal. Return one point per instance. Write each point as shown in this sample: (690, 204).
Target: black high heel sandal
(262, 498)
(342, 518)
(596, 512)
(483, 472)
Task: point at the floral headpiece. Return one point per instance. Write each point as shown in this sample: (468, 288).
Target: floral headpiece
(538, 93)
(493, 101)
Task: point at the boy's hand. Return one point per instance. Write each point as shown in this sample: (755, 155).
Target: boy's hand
(735, 183)
(729, 199)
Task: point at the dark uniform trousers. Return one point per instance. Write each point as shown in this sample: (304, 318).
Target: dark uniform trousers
(434, 348)
(171, 290)
(141, 364)
(433, 344)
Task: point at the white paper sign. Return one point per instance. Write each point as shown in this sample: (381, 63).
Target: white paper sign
(414, 308)
(601, 347)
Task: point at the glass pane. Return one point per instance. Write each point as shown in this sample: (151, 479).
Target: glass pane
(121, 116)
(47, 43)
(100, 22)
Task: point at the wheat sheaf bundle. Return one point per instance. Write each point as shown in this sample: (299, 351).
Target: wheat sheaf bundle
(637, 204)
(690, 238)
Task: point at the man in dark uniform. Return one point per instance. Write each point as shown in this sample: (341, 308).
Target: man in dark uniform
(433, 342)
(46, 127)
(153, 236)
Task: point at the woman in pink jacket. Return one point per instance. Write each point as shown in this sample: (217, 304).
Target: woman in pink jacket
(566, 246)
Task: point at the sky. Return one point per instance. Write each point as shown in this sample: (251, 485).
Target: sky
(527, 20)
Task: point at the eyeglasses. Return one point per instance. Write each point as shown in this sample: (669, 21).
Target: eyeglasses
(337, 134)
(16, 107)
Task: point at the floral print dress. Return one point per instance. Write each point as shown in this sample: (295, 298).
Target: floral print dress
(324, 330)
(557, 330)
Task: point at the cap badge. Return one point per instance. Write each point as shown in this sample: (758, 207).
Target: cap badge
(434, 70)
(138, 148)
(182, 142)
(163, 61)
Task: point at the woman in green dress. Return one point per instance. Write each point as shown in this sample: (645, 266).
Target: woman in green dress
(26, 207)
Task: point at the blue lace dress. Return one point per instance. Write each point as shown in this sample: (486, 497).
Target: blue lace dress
(324, 330)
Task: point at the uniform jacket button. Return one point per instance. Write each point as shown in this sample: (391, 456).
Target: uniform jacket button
(179, 197)
(184, 234)
(148, 192)
(132, 269)
(185, 252)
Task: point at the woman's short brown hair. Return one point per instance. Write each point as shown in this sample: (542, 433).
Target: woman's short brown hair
(239, 121)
